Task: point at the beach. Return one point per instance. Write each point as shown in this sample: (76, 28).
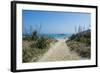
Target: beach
(59, 52)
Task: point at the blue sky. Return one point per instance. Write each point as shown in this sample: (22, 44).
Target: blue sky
(54, 22)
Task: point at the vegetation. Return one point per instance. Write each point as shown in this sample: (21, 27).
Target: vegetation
(33, 37)
(34, 46)
(83, 37)
(32, 54)
(81, 43)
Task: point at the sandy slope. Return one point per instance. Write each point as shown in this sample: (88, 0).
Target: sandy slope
(59, 52)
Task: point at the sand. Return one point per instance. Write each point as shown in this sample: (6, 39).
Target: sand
(59, 52)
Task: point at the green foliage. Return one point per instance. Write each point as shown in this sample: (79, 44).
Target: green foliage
(32, 54)
(34, 47)
(39, 42)
(85, 52)
(27, 54)
(34, 36)
(72, 37)
(81, 43)
(28, 38)
(83, 37)
(42, 43)
(80, 48)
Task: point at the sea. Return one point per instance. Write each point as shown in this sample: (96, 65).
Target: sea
(55, 36)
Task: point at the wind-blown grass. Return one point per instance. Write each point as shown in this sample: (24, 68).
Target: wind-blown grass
(34, 47)
(81, 43)
(32, 54)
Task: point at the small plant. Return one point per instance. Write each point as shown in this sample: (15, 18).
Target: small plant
(42, 43)
(81, 43)
(27, 38)
(80, 48)
(72, 37)
(27, 54)
(83, 37)
(34, 35)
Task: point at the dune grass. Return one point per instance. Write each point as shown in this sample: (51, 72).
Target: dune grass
(32, 54)
(81, 43)
(81, 48)
(34, 47)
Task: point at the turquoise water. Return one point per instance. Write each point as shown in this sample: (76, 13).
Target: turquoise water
(56, 36)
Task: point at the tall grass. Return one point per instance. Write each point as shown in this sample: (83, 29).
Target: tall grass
(32, 54)
(35, 48)
(33, 37)
(81, 43)
(83, 37)
(80, 48)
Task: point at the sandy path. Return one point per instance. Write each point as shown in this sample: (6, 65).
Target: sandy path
(59, 52)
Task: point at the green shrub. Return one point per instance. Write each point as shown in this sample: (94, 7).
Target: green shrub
(34, 36)
(72, 37)
(28, 38)
(27, 54)
(82, 49)
(32, 53)
(83, 37)
(85, 52)
(42, 43)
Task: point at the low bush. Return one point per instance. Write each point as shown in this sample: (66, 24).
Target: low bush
(32, 54)
(82, 49)
(27, 38)
(27, 54)
(42, 43)
(83, 37)
(34, 36)
(34, 46)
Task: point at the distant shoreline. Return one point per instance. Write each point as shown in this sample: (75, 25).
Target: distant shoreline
(64, 39)
(53, 36)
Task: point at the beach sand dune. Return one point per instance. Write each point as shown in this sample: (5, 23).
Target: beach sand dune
(59, 52)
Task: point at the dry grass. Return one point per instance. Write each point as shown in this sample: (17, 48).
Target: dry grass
(82, 49)
(33, 50)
